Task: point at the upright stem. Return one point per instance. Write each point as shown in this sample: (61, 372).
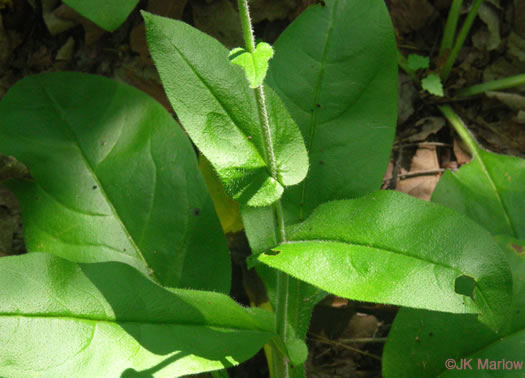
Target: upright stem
(450, 27)
(445, 71)
(281, 365)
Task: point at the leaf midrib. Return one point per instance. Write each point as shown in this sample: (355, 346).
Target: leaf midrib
(389, 250)
(395, 252)
(317, 94)
(498, 197)
(60, 112)
(82, 318)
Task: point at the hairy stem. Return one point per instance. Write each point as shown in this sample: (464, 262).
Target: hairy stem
(462, 35)
(450, 27)
(281, 365)
(494, 85)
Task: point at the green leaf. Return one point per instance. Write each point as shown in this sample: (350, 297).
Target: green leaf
(420, 342)
(490, 190)
(391, 248)
(335, 67)
(255, 64)
(59, 318)
(109, 15)
(218, 110)
(115, 179)
(418, 62)
(432, 84)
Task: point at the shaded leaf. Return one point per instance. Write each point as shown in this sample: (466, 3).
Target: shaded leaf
(218, 110)
(108, 15)
(420, 342)
(115, 179)
(391, 248)
(107, 319)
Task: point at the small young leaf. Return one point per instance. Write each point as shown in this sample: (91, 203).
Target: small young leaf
(255, 64)
(62, 319)
(115, 179)
(391, 248)
(420, 342)
(432, 84)
(418, 62)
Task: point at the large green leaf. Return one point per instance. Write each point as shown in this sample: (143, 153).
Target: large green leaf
(115, 178)
(490, 190)
(217, 108)
(335, 67)
(108, 15)
(62, 319)
(391, 248)
(420, 342)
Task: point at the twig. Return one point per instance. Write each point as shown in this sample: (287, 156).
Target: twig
(356, 350)
(364, 340)
(421, 144)
(403, 176)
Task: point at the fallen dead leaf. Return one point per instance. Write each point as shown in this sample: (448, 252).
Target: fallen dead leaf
(172, 8)
(514, 101)
(425, 127)
(271, 10)
(461, 151)
(407, 96)
(411, 15)
(55, 24)
(488, 38)
(92, 32)
(423, 175)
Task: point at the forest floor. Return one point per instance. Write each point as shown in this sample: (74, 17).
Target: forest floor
(346, 338)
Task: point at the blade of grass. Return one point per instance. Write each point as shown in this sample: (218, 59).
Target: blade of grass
(462, 35)
(450, 27)
(494, 85)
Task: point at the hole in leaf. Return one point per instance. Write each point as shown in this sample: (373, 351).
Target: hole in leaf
(465, 285)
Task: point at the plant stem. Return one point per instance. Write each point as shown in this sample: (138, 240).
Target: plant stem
(460, 128)
(450, 27)
(493, 85)
(281, 365)
(445, 71)
(246, 22)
